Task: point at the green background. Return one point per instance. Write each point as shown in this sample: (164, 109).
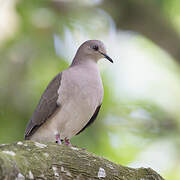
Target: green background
(139, 121)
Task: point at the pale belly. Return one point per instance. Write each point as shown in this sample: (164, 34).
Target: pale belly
(71, 117)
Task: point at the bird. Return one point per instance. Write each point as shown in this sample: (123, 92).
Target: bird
(72, 100)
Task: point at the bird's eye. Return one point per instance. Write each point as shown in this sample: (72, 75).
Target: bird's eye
(95, 47)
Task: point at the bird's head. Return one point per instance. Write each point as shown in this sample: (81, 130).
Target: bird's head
(93, 49)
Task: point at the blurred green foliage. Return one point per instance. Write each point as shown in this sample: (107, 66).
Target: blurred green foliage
(125, 127)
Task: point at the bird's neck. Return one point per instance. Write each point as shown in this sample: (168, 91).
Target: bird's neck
(85, 61)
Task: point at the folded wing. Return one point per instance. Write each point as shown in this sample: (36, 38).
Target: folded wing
(46, 107)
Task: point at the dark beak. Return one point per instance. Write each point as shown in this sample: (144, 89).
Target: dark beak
(107, 57)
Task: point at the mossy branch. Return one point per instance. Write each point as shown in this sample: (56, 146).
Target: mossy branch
(32, 160)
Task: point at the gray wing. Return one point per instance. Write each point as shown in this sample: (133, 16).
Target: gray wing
(46, 107)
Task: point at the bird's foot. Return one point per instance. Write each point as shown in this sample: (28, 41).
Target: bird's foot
(67, 142)
(58, 140)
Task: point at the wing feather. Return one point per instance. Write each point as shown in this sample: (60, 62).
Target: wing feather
(46, 107)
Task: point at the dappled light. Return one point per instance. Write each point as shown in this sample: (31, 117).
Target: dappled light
(139, 121)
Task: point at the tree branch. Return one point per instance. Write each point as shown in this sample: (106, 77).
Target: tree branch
(32, 160)
(147, 19)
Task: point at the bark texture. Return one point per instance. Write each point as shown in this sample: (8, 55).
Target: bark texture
(32, 160)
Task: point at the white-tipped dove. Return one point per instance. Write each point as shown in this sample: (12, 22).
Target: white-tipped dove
(72, 100)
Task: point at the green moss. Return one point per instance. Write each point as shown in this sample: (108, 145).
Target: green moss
(63, 161)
